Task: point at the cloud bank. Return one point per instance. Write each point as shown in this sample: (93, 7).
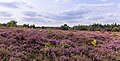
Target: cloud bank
(73, 13)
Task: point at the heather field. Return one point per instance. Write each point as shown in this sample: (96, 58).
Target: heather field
(20, 44)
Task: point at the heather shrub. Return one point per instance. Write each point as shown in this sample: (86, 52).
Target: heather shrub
(5, 59)
(85, 41)
(70, 34)
(32, 56)
(49, 45)
(50, 35)
(35, 57)
(19, 37)
(19, 31)
(83, 44)
(4, 54)
(43, 45)
(58, 36)
(65, 45)
(72, 55)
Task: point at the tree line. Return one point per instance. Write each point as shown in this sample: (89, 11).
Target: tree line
(94, 27)
(13, 23)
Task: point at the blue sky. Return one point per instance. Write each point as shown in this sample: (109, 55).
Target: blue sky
(58, 12)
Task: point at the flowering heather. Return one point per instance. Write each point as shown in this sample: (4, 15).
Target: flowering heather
(18, 44)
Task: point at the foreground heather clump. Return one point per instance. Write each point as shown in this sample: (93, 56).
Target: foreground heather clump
(56, 45)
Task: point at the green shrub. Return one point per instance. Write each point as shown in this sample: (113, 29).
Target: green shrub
(65, 45)
(12, 24)
(65, 27)
(115, 29)
(49, 45)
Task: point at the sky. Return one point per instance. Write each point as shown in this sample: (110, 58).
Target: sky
(58, 12)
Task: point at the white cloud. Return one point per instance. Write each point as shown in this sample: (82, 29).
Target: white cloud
(80, 10)
(87, 14)
(5, 14)
(61, 1)
(95, 6)
(71, 13)
(104, 0)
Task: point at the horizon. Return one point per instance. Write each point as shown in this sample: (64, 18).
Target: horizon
(63, 24)
(59, 12)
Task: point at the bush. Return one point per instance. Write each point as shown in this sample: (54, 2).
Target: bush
(65, 27)
(12, 24)
(107, 29)
(115, 29)
(98, 29)
(32, 26)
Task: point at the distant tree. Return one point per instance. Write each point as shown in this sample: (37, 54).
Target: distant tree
(108, 29)
(65, 27)
(20, 26)
(80, 27)
(12, 24)
(102, 30)
(0, 25)
(76, 28)
(91, 28)
(32, 26)
(26, 25)
(43, 27)
(115, 29)
(98, 29)
(4, 25)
